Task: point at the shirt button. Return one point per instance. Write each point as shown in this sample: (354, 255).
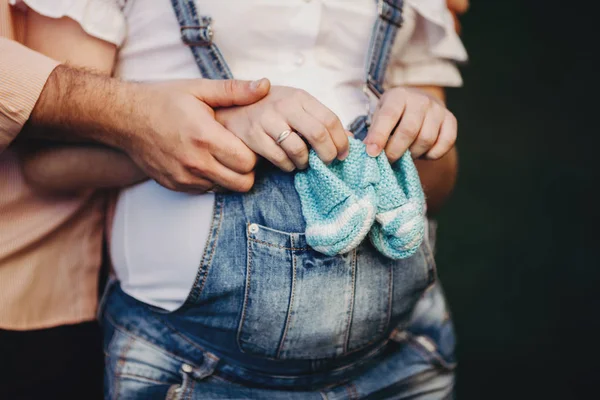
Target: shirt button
(253, 228)
(299, 61)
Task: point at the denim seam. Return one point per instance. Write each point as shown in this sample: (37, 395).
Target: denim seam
(175, 332)
(206, 246)
(352, 392)
(352, 300)
(278, 246)
(418, 380)
(374, 65)
(224, 379)
(121, 365)
(191, 388)
(246, 291)
(431, 270)
(427, 354)
(143, 378)
(390, 299)
(215, 230)
(386, 323)
(189, 9)
(291, 303)
(135, 337)
(355, 364)
(369, 343)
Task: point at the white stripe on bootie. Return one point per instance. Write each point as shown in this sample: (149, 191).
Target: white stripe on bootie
(338, 200)
(344, 201)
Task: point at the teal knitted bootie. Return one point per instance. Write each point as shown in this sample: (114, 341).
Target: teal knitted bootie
(338, 200)
(400, 220)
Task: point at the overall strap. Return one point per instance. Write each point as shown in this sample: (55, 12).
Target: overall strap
(389, 20)
(384, 33)
(197, 33)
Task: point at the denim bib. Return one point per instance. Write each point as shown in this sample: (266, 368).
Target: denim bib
(261, 293)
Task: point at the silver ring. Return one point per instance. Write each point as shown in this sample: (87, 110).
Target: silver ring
(284, 135)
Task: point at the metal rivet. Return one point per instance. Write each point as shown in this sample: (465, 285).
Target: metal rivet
(186, 368)
(253, 228)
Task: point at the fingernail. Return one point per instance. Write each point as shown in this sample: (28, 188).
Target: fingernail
(344, 155)
(373, 150)
(255, 84)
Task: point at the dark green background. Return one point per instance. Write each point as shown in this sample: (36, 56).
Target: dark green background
(517, 248)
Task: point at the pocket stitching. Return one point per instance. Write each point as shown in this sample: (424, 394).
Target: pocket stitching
(191, 389)
(204, 268)
(121, 363)
(361, 346)
(390, 300)
(143, 378)
(277, 232)
(353, 299)
(246, 294)
(279, 349)
(277, 246)
(291, 302)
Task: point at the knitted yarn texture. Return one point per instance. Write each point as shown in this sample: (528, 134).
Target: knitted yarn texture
(347, 200)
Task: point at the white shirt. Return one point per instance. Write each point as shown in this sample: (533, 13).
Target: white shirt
(158, 236)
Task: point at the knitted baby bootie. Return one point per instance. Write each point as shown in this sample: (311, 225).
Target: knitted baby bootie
(338, 200)
(400, 221)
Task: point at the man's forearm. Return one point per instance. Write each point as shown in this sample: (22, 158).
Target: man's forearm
(77, 105)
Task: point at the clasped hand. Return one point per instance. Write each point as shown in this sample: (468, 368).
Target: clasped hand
(405, 119)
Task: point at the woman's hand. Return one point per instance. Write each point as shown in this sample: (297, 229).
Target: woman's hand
(411, 119)
(261, 124)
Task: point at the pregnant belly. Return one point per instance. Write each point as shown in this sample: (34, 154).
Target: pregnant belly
(157, 240)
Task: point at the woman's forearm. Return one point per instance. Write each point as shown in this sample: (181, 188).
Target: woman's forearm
(437, 176)
(75, 168)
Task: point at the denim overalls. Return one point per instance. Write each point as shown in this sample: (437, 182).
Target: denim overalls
(268, 317)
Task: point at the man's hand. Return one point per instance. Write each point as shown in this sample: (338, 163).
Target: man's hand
(411, 119)
(168, 129)
(183, 147)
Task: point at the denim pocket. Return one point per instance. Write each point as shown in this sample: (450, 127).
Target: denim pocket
(301, 304)
(136, 369)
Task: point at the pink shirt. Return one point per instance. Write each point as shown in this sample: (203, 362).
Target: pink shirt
(50, 246)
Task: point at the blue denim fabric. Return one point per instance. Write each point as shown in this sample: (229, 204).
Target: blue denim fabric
(149, 358)
(270, 318)
(382, 39)
(197, 33)
(262, 293)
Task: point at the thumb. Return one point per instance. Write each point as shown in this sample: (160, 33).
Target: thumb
(230, 92)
